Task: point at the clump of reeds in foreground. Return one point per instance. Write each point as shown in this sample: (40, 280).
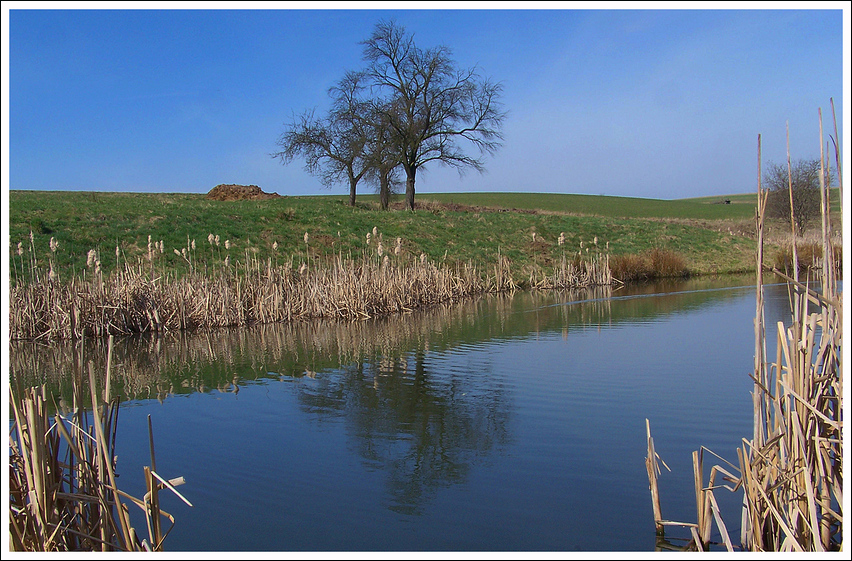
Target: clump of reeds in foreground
(62, 483)
(791, 469)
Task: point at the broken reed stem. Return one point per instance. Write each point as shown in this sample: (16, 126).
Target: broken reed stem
(791, 470)
(62, 483)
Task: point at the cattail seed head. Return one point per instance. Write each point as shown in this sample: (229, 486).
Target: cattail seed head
(117, 252)
(274, 246)
(177, 252)
(561, 238)
(227, 244)
(193, 245)
(533, 237)
(216, 240)
(227, 260)
(210, 238)
(368, 238)
(423, 258)
(20, 248)
(90, 258)
(375, 231)
(380, 250)
(162, 247)
(53, 244)
(183, 252)
(596, 240)
(307, 237)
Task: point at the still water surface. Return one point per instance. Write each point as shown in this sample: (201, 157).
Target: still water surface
(506, 423)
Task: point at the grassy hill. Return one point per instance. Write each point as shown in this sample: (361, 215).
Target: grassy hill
(457, 227)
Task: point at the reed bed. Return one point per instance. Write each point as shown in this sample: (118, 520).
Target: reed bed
(62, 483)
(791, 469)
(143, 298)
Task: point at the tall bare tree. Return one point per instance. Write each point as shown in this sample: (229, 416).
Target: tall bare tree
(435, 104)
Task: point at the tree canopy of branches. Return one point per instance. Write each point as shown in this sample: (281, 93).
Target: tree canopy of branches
(431, 103)
(804, 178)
(409, 107)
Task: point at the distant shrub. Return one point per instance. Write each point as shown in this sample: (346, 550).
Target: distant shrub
(808, 255)
(652, 264)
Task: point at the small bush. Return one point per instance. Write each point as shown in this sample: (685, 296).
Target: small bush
(653, 264)
(808, 255)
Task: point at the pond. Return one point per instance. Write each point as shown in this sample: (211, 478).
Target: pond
(504, 423)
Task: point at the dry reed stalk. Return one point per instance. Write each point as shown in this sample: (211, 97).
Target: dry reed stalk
(790, 471)
(62, 488)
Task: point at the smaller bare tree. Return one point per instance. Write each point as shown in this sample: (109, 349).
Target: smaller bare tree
(803, 176)
(334, 146)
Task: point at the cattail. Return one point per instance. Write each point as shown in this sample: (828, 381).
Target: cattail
(53, 245)
(216, 240)
(20, 248)
(385, 261)
(307, 237)
(533, 236)
(274, 246)
(117, 252)
(227, 260)
(32, 238)
(398, 247)
(375, 231)
(183, 252)
(51, 274)
(596, 240)
(97, 266)
(227, 244)
(368, 238)
(423, 258)
(193, 245)
(581, 244)
(177, 252)
(210, 238)
(380, 249)
(90, 258)
(561, 238)
(162, 246)
(149, 243)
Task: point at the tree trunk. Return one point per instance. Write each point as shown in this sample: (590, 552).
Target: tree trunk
(384, 190)
(352, 184)
(409, 187)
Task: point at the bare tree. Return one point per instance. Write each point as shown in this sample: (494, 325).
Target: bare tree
(804, 177)
(333, 146)
(434, 103)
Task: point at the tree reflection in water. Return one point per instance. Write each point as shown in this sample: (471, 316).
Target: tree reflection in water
(425, 429)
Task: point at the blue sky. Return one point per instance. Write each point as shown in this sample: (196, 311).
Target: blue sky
(655, 103)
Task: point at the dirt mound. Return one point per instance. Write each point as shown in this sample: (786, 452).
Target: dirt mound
(239, 193)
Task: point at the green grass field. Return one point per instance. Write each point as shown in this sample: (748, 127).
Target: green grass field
(81, 221)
